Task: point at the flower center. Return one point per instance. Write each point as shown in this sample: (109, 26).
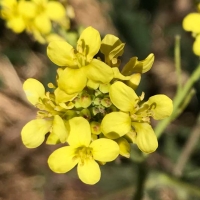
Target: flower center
(84, 153)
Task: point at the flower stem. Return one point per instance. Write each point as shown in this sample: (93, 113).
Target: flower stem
(141, 179)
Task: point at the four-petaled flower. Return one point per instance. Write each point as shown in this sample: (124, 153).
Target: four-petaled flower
(135, 115)
(80, 64)
(83, 152)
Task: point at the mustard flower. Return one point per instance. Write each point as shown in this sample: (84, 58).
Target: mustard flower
(82, 152)
(17, 14)
(79, 65)
(46, 11)
(135, 115)
(192, 23)
(49, 120)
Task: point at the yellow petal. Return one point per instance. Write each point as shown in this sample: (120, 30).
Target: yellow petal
(99, 71)
(27, 9)
(146, 139)
(104, 88)
(161, 106)
(62, 160)
(134, 80)
(92, 84)
(60, 129)
(116, 124)
(89, 172)
(192, 22)
(52, 139)
(61, 53)
(72, 80)
(34, 90)
(104, 150)
(196, 46)
(80, 133)
(122, 96)
(124, 147)
(118, 75)
(43, 23)
(89, 43)
(136, 66)
(55, 10)
(54, 37)
(17, 24)
(33, 133)
(61, 96)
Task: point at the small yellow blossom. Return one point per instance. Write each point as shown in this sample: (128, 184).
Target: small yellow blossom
(83, 152)
(33, 133)
(17, 14)
(79, 64)
(134, 115)
(192, 23)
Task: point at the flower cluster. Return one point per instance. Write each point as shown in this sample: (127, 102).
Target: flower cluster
(93, 109)
(192, 23)
(34, 16)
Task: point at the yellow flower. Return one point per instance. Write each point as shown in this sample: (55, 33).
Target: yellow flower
(83, 152)
(17, 14)
(192, 23)
(33, 133)
(80, 64)
(135, 115)
(46, 11)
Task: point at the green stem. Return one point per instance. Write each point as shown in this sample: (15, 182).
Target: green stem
(141, 179)
(179, 98)
(177, 60)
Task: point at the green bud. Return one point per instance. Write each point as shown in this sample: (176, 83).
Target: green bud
(106, 102)
(95, 127)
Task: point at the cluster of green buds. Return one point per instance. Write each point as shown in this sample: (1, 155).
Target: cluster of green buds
(93, 109)
(35, 16)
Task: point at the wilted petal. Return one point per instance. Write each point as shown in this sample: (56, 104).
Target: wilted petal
(104, 150)
(116, 124)
(34, 90)
(89, 43)
(192, 22)
(55, 10)
(122, 96)
(62, 160)
(89, 171)
(33, 133)
(61, 53)
(112, 46)
(80, 133)
(146, 139)
(99, 71)
(161, 106)
(72, 80)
